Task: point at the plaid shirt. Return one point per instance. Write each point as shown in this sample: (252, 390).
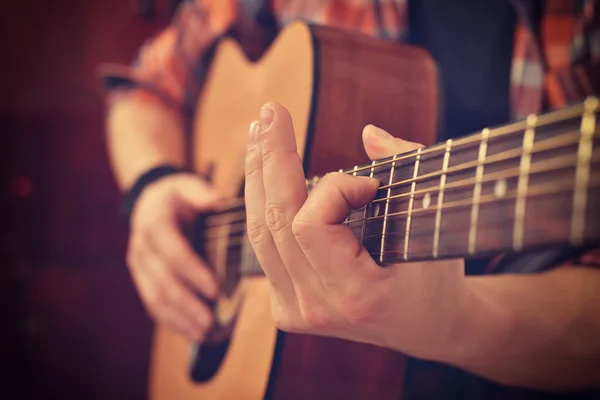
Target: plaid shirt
(556, 61)
(556, 57)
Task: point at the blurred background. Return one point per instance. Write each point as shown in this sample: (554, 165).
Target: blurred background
(71, 323)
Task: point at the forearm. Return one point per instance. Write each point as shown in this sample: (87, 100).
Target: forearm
(540, 331)
(141, 135)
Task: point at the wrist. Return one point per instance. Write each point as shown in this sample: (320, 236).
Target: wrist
(151, 176)
(480, 324)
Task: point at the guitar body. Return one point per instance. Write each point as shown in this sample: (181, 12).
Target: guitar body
(333, 84)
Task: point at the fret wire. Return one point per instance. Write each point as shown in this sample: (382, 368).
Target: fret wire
(541, 146)
(463, 203)
(546, 119)
(477, 190)
(596, 159)
(315, 181)
(438, 213)
(387, 205)
(549, 166)
(538, 166)
(523, 182)
(364, 225)
(582, 172)
(542, 120)
(547, 144)
(534, 191)
(410, 203)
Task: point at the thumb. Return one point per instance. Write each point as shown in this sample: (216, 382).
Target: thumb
(380, 144)
(197, 193)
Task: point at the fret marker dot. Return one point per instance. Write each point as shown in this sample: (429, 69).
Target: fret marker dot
(500, 188)
(376, 210)
(426, 201)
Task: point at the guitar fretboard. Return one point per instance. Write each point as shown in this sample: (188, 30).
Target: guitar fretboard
(528, 185)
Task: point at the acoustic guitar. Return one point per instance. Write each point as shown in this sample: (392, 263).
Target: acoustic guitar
(520, 187)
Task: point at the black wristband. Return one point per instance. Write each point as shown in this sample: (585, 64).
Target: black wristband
(148, 177)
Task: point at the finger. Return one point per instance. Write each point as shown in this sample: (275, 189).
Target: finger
(177, 321)
(283, 173)
(154, 299)
(380, 144)
(258, 233)
(175, 250)
(197, 193)
(337, 194)
(318, 226)
(174, 300)
(285, 192)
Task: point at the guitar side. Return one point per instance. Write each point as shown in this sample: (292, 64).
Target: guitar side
(333, 84)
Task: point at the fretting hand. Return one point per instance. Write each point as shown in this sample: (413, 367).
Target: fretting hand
(323, 281)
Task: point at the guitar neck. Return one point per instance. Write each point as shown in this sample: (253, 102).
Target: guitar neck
(524, 186)
(528, 185)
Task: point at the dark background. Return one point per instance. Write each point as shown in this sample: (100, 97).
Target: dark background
(71, 324)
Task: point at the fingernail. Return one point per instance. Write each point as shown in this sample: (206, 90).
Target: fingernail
(375, 182)
(372, 181)
(254, 130)
(266, 118)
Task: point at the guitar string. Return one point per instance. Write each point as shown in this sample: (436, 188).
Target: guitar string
(540, 146)
(533, 191)
(243, 240)
(537, 168)
(420, 231)
(412, 255)
(517, 127)
(572, 112)
(542, 120)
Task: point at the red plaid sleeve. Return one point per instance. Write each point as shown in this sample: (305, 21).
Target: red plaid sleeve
(166, 65)
(383, 18)
(171, 65)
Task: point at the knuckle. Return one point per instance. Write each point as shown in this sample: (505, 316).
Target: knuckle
(156, 300)
(268, 155)
(301, 228)
(285, 323)
(314, 316)
(176, 297)
(253, 168)
(172, 258)
(285, 317)
(356, 313)
(276, 218)
(257, 232)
